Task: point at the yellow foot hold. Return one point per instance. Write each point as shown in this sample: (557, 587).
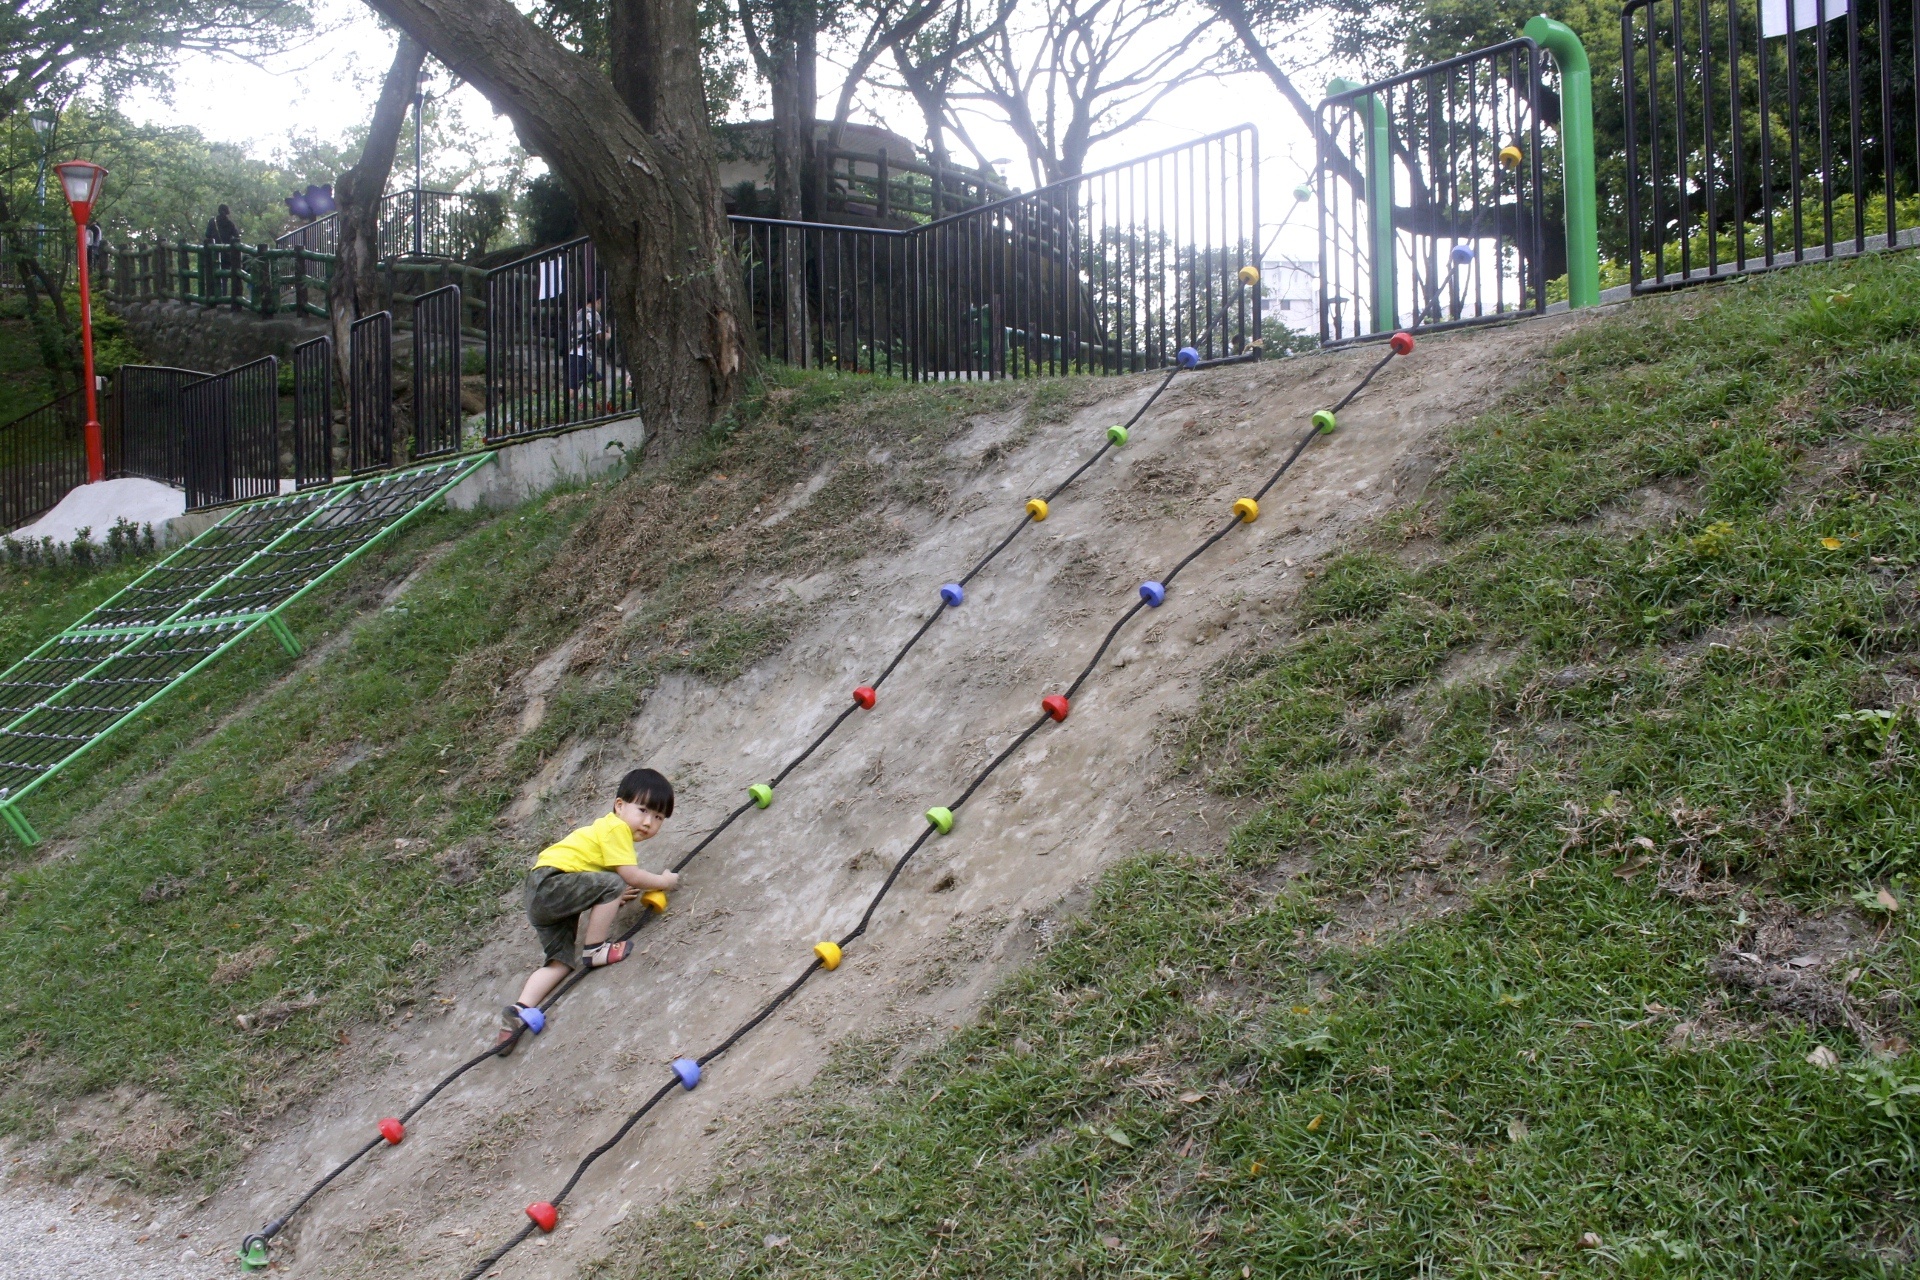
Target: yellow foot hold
(1247, 509)
(829, 953)
(655, 899)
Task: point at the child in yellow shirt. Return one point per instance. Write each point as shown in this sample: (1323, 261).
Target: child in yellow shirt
(593, 872)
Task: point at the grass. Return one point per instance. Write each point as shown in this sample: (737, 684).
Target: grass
(1631, 694)
(277, 856)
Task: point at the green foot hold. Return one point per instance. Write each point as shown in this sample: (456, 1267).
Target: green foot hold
(253, 1254)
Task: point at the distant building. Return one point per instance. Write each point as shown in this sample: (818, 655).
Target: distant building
(1292, 292)
(876, 177)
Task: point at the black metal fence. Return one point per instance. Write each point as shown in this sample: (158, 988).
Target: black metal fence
(553, 348)
(232, 434)
(313, 412)
(146, 422)
(1764, 132)
(1110, 272)
(43, 456)
(1432, 197)
(436, 372)
(370, 393)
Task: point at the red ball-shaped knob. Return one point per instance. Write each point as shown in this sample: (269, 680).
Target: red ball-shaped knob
(544, 1215)
(392, 1130)
(1055, 705)
(864, 696)
(1402, 343)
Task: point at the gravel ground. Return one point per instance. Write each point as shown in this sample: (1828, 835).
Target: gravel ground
(52, 1233)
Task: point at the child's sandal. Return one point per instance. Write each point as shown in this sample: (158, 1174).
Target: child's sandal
(606, 953)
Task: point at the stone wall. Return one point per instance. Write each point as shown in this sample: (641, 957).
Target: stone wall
(213, 339)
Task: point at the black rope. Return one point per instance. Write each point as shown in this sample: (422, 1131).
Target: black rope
(893, 875)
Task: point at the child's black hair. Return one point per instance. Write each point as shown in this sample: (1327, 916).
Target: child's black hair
(649, 789)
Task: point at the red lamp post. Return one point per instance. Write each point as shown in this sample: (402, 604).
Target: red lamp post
(82, 179)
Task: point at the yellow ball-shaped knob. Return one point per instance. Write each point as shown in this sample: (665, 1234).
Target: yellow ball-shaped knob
(1510, 156)
(1249, 275)
(1247, 509)
(1037, 508)
(655, 899)
(829, 953)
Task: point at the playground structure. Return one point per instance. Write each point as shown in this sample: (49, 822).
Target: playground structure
(687, 1072)
(1435, 190)
(71, 693)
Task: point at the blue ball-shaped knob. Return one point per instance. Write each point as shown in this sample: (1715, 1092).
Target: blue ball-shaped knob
(536, 1019)
(953, 594)
(1154, 594)
(1187, 357)
(688, 1071)
(1461, 255)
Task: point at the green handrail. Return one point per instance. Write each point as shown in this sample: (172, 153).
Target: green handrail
(1576, 156)
(1386, 296)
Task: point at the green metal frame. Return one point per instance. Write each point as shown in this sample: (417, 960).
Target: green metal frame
(240, 625)
(1576, 156)
(1386, 295)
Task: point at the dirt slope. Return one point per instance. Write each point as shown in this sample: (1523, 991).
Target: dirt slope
(969, 908)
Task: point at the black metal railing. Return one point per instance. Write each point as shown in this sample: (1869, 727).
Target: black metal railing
(553, 349)
(370, 393)
(1432, 197)
(1765, 132)
(436, 372)
(1111, 272)
(43, 456)
(413, 224)
(313, 412)
(231, 439)
(147, 422)
(897, 190)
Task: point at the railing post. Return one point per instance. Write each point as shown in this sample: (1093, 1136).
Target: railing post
(1576, 156)
(299, 280)
(1386, 297)
(884, 202)
(269, 291)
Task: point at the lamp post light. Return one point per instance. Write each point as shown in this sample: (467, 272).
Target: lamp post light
(44, 123)
(82, 180)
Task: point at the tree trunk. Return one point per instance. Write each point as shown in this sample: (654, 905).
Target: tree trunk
(638, 158)
(357, 288)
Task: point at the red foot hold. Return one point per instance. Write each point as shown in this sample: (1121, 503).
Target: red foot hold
(1402, 343)
(544, 1215)
(864, 696)
(1055, 705)
(392, 1130)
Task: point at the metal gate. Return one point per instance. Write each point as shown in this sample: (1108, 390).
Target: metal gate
(1761, 133)
(232, 434)
(370, 393)
(436, 372)
(148, 408)
(313, 412)
(1432, 196)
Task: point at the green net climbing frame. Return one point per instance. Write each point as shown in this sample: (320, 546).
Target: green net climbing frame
(70, 693)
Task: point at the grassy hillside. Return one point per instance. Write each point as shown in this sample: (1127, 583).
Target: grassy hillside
(289, 850)
(1571, 936)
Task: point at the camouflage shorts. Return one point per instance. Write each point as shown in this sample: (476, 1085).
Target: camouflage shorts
(555, 900)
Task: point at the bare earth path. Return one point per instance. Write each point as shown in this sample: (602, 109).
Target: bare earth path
(969, 908)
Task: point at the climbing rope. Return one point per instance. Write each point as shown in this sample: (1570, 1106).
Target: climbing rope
(254, 1250)
(544, 1215)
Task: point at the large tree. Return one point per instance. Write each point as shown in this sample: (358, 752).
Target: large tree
(358, 288)
(1080, 72)
(635, 151)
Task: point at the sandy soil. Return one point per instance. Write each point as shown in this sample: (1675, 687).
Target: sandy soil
(1082, 794)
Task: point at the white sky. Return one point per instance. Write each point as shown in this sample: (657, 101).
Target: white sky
(328, 87)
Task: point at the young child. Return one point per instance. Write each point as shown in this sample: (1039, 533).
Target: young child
(592, 873)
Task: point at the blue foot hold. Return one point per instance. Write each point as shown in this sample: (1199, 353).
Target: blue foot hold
(536, 1020)
(1154, 594)
(954, 594)
(688, 1070)
(1461, 255)
(1187, 357)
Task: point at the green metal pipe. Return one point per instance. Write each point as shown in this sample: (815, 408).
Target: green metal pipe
(1576, 156)
(1386, 304)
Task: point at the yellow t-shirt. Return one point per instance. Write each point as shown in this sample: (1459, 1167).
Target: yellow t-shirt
(603, 846)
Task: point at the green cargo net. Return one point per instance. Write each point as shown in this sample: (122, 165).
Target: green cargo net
(66, 696)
